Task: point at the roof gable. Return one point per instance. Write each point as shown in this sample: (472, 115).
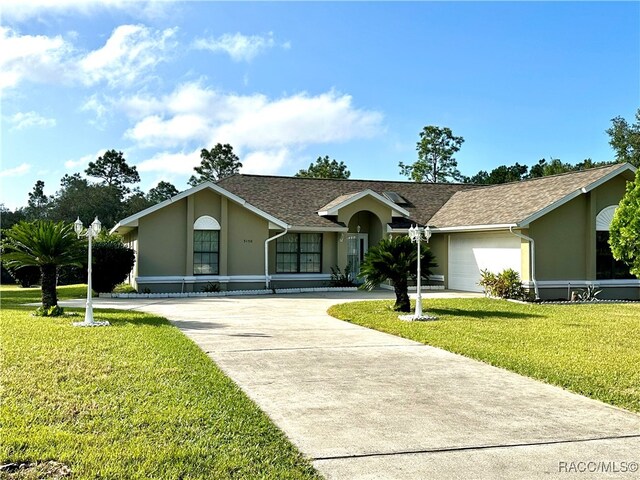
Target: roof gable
(341, 201)
(520, 203)
(132, 221)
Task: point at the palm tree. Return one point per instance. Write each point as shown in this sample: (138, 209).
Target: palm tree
(45, 244)
(394, 259)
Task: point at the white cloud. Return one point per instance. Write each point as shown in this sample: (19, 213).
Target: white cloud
(266, 162)
(263, 131)
(30, 119)
(83, 161)
(23, 10)
(127, 56)
(35, 57)
(15, 171)
(238, 46)
(167, 162)
(156, 132)
(98, 107)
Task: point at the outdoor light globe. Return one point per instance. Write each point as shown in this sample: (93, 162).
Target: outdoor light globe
(78, 227)
(96, 226)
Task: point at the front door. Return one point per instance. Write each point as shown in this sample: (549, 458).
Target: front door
(357, 247)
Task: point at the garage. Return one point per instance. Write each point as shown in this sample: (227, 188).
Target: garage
(469, 253)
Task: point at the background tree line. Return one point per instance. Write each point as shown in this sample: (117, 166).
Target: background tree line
(113, 194)
(437, 147)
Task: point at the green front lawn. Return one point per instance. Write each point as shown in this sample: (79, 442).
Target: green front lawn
(593, 350)
(134, 400)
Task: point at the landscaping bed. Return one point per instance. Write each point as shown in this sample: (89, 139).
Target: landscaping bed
(134, 400)
(591, 349)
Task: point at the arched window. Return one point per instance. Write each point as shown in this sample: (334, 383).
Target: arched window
(607, 267)
(603, 219)
(206, 246)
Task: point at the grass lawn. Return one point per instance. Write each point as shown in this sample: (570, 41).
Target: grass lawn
(134, 400)
(593, 350)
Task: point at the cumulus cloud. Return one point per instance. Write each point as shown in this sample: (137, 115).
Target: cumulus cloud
(35, 57)
(127, 54)
(30, 119)
(15, 171)
(266, 162)
(265, 132)
(195, 113)
(130, 53)
(241, 48)
(168, 162)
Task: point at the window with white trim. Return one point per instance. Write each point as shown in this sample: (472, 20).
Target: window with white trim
(206, 246)
(299, 253)
(607, 267)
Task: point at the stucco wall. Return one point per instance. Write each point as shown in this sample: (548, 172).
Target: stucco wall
(329, 251)
(162, 241)
(438, 244)
(610, 193)
(207, 202)
(246, 235)
(561, 242)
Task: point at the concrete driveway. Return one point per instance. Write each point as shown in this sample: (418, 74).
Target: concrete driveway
(364, 404)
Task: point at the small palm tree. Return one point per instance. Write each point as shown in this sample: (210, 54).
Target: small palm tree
(45, 244)
(395, 259)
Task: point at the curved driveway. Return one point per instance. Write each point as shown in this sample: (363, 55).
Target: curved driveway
(364, 404)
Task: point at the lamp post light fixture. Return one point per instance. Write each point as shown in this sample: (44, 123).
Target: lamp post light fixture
(91, 232)
(417, 234)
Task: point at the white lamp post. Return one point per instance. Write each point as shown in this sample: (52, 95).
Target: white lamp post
(90, 233)
(416, 234)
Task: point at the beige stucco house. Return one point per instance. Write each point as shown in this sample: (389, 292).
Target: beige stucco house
(256, 232)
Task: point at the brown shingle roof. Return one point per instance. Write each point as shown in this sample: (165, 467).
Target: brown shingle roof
(512, 203)
(297, 200)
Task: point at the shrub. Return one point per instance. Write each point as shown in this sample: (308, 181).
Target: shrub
(26, 276)
(72, 275)
(506, 284)
(589, 294)
(53, 311)
(124, 288)
(112, 262)
(340, 278)
(211, 287)
(5, 277)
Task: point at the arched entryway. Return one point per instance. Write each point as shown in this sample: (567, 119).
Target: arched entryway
(364, 229)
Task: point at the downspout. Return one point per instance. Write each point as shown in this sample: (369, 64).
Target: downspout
(533, 259)
(267, 278)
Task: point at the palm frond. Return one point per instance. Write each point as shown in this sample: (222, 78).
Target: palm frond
(41, 243)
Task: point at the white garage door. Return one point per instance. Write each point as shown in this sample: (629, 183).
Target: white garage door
(470, 253)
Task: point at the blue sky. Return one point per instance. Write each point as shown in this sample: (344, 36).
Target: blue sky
(287, 82)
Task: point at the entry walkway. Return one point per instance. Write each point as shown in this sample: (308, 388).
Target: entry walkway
(364, 404)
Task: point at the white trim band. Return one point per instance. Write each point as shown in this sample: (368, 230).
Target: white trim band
(473, 228)
(233, 278)
(629, 283)
(201, 279)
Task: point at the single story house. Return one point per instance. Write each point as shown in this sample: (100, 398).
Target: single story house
(255, 232)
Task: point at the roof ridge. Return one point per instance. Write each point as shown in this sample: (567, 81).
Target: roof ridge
(293, 177)
(555, 175)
